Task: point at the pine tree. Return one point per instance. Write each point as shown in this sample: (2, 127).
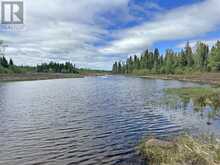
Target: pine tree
(173, 62)
(11, 63)
(183, 58)
(119, 67)
(189, 55)
(202, 51)
(214, 58)
(4, 62)
(156, 59)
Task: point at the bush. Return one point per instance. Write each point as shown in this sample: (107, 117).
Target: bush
(4, 70)
(141, 72)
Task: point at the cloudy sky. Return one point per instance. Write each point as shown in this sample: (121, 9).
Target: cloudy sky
(95, 33)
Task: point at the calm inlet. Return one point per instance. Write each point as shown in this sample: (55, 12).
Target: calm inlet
(88, 121)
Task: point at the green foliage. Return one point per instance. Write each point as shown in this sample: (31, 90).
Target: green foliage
(4, 70)
(11, 63)
(214, 58)
(9, 67)
(5, 66)
(201, 56)
(4, 62)
(201, 98)
(185, 61)
(189, 55)
(57, 68)
(141, 72)
(193, 92)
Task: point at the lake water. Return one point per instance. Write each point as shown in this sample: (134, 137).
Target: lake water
(87, 121)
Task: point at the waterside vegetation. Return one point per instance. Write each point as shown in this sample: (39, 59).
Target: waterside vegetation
(205, 100)
(8, 67)
(186, 149)
(9, 71)
(188, 60)
(182, 150)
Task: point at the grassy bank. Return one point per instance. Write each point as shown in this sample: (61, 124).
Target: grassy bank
(36, 76)
(186, 149)
(52, 70)
(205, 100)
(194, 92)
(26, 74)
(209, 78)
(44, 76)
(200, 96)
(183, 150)
(90, 72)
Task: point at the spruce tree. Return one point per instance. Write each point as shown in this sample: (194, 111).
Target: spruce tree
(11, 63)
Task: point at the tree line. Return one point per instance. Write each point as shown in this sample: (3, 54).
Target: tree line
(57, 68)
(7, 66)
(201, 59)
(5, 63)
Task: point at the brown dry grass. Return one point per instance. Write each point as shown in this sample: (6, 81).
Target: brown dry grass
(183, 150)
(210, 78)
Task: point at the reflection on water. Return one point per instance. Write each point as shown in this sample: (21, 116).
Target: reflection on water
(89, 121)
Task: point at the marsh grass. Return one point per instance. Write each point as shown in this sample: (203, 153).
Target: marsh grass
(195, 92)
(201, 98)
(183, 150)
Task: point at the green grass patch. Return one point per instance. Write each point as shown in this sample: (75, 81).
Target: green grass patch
(201, 98)
(193, 92)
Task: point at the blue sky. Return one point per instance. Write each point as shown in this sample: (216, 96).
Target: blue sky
(95, 33)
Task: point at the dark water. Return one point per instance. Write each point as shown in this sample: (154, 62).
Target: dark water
(89, 121)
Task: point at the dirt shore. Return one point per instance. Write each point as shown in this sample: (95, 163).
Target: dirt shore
(209, 78)
(36, 76)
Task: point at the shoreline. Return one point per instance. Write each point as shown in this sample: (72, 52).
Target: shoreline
(206, 78)
(178, 149)
(37, 76)
(45, 76)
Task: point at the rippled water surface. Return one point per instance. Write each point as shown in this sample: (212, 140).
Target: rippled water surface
(93, 120)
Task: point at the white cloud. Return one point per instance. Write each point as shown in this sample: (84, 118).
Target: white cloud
(60, 30)
(193, 43)
(71, 30)
(180, 23)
